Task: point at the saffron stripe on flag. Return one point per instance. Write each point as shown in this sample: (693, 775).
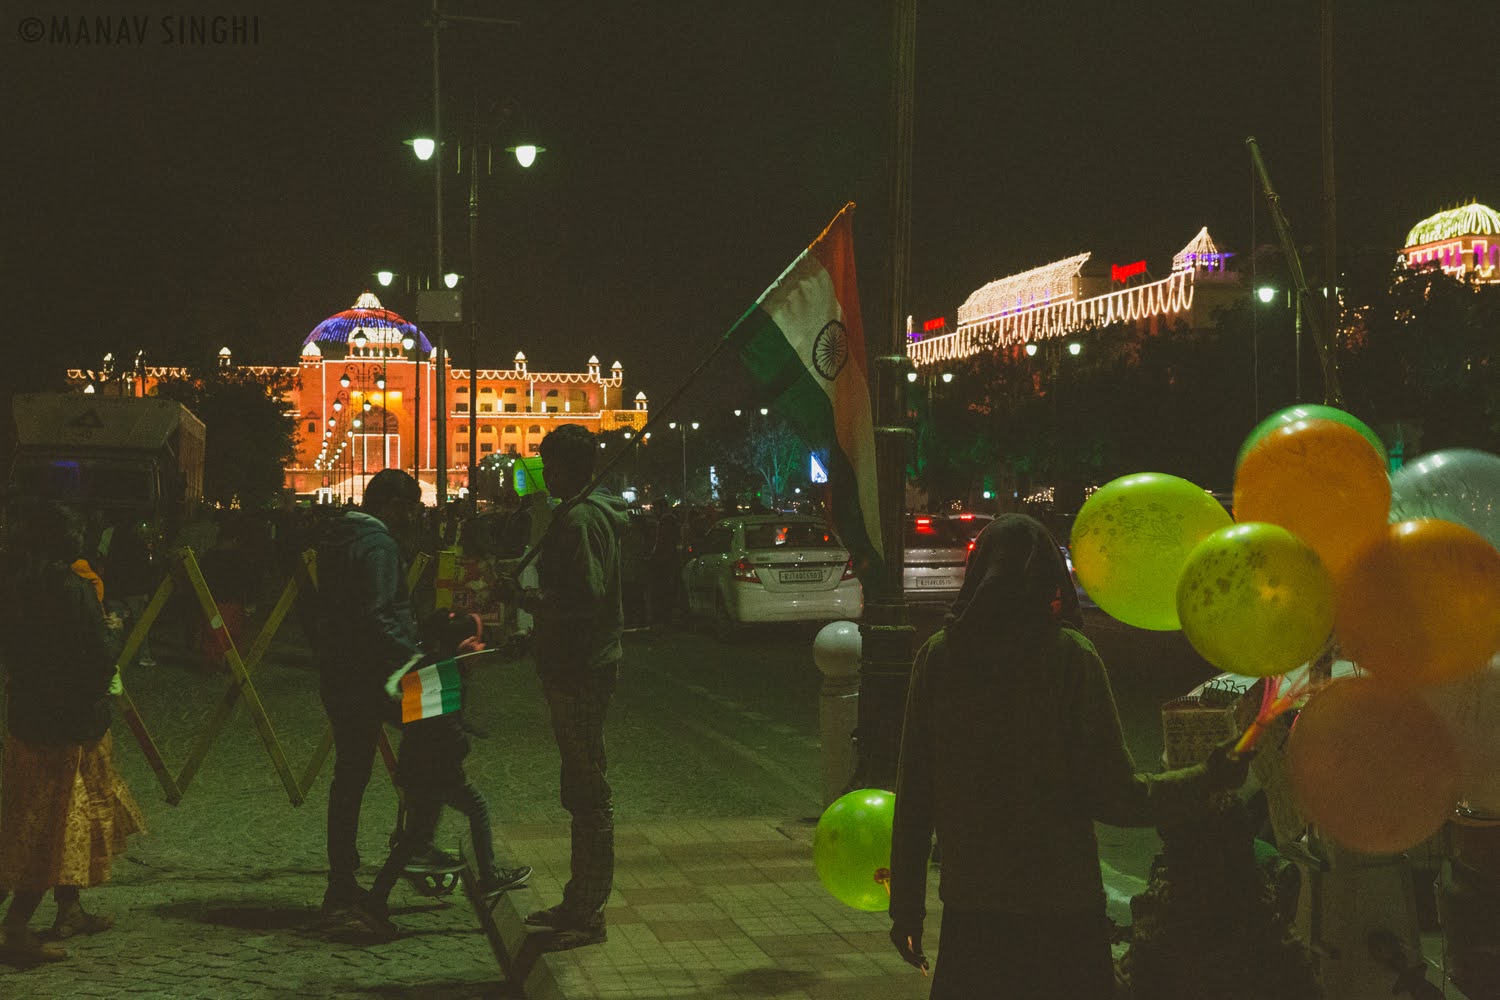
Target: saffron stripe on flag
(431, 691)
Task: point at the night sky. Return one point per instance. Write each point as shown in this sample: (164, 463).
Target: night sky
(184, 197)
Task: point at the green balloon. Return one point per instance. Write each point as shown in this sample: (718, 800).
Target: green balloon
(1310, 411)
(1255, 600)
(852, 848)
(1131, 539)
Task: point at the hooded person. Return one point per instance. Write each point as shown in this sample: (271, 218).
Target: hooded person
(364, 631)
(1011, 750)
(579, 621)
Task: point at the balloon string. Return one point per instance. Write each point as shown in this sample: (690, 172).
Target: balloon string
(1274, 703)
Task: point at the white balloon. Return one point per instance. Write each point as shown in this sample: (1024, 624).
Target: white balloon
(1471, 708)
(1459, 485)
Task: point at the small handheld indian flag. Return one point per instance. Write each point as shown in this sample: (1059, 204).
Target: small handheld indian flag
(431, 691)
(425, 692)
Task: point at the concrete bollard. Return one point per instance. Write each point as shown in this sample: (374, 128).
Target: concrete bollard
(836, 651)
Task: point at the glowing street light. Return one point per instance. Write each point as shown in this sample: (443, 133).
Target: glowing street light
(1265, 293)
(526, 153)
(424, 148)
(451, 279)
(385, 278)
(1074, 348)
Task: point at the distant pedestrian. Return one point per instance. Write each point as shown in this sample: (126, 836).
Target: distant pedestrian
(65, 813)
(365, 630)
(1011, 750)
(131, 575)
(579, 622)
(666, 568)
(430, 774)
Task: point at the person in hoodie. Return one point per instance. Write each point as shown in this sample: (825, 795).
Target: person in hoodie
(364, 631)
(1011, 749)
(576, 641)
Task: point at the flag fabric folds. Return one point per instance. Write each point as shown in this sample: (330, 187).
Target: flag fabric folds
(431, 691)
(804, 346)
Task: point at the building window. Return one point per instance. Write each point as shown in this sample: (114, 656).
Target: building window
(512, 429)
(531, 449)
(534, 429)
(461, 407)
(510, 407)
(462, 448)
(486, 391)
(486, 407)
(312, 427)
(487, 429)
(462, 390)
(463, 428)
(486, 447)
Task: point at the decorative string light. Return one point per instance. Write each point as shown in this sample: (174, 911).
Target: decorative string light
(1170, 295)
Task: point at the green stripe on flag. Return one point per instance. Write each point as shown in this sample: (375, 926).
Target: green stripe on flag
(452, 685)
(798, 398)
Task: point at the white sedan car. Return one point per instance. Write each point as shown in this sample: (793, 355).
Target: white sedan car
(771, 568)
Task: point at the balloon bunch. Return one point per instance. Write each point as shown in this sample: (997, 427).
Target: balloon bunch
(1403, 571)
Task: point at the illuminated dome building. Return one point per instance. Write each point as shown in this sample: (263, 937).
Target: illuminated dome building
(365, 395)
(1462, 241)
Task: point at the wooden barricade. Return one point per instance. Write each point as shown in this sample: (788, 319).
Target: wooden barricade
(241, 687)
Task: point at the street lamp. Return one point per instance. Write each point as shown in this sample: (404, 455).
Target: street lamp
(685, 425)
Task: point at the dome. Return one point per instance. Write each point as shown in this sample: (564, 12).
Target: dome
(1472, 219)
(367, 314)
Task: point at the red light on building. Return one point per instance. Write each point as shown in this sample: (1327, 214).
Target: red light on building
(934, 324)
(1124, 272)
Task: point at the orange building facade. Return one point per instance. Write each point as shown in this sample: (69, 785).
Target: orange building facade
(364, 392)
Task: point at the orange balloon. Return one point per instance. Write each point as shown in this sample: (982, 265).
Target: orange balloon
(1421, 605)
(1320, 480)
(1372, 766)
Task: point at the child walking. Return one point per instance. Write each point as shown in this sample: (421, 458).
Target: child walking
(430, 775)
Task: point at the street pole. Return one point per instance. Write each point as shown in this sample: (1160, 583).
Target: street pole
(887, 636)
(1330, 217)
(471, 306)
(441, 396)
(684, 466)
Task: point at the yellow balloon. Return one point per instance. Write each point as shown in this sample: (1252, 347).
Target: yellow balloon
(1131, 539)
(1254, 599)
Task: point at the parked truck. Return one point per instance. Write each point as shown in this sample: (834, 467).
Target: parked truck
(126, 458)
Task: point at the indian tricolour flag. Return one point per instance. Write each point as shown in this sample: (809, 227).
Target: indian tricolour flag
(805, 346)
(430, 691)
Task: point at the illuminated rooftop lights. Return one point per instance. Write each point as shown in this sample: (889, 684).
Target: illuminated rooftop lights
(1472, 219)
(1040, 286)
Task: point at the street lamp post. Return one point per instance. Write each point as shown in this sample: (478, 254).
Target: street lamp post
(673, 426)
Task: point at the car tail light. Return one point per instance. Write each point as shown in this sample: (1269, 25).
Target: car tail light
(966, 517)
(923, 522)
(743, 572)
(971, 545)
(848, 571)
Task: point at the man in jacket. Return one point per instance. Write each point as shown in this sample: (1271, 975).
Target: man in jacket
(579, 622)
(365, 630)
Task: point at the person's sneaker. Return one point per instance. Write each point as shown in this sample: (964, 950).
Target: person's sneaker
(339, 900)
(574, 937)
(431, 861)
(504, 880)
(370, 915)
(562, 918)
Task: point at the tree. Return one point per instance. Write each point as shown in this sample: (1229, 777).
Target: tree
(1423, 351)
(250, 432)
(770, 452)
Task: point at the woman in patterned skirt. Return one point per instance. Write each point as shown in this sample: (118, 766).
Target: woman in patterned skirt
(64, 812)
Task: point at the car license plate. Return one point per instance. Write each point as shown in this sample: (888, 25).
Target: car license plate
(800, 576)
(934, 581)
